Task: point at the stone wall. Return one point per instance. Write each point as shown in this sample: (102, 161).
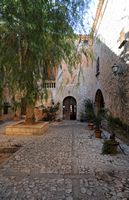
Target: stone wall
(115, 89)
(77, 84)
(110, 21)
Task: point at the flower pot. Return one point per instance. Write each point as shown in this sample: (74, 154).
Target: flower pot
(98, 133)
(91, 125)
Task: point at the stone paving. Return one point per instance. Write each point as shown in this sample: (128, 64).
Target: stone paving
(64, 164)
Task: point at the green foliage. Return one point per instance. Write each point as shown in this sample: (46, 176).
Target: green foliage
(89, 110)
(15, 106)
(111, 123)
(98, 118)
(117, 126)
(97, 122)
(50, 112)
(83, 117)
(35, 37)
(109, 147)
(2, 75)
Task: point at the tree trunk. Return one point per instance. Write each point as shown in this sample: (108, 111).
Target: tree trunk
(30, 119)
(0, 114)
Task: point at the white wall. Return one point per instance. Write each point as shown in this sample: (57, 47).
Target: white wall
(78, 86)
(115, 18)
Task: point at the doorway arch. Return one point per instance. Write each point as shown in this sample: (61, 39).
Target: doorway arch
(69, 108)
(99, 101)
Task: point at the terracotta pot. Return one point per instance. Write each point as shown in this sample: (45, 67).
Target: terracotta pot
(98, 133)
(91, 125)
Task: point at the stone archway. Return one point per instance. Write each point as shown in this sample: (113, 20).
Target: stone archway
(99, 101)
(69, 108)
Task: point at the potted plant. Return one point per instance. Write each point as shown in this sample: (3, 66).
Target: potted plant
(97, 122)
(51, 112)
(111, 123)
(110, 145)
(89, 110)
(82, 117)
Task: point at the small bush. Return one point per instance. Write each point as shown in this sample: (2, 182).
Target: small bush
(109, 147)
(117, 126)
(89, 110)
(50, 112)
(83, 117)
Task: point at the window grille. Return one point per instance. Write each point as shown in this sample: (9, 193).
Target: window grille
(49, 85)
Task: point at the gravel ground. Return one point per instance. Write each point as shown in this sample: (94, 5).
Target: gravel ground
(65, 163)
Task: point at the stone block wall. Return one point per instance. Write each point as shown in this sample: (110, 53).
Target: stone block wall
(79, 85)
(115, 89)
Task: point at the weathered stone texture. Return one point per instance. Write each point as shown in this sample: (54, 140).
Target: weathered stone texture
(79, 85)
(115, 89)
(20, 129)
(64, 164)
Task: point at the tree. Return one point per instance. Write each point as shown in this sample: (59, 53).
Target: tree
(36, 36)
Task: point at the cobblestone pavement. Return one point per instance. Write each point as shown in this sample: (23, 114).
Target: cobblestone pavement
(64, 164)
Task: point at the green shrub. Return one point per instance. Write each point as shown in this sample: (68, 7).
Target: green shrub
(83, 117)
(109, 147)
(50, 112)
(89, 110)
(117, 126)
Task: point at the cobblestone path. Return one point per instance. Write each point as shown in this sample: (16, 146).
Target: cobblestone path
(64, 164)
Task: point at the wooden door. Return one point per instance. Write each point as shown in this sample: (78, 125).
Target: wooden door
(69, 108)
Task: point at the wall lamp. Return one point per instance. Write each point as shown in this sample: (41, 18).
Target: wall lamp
(117, 69)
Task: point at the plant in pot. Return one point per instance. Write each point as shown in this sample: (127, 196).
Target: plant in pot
(82, 117)
(97, 122)
(89, 110)
(110, 146)
(51, 112)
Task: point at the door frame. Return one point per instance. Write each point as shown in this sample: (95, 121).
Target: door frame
(72, 108)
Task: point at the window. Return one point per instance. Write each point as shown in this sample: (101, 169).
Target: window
(49, 85)
(6, 106)
(97, 67)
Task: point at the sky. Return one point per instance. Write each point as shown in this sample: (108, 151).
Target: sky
(89, 17)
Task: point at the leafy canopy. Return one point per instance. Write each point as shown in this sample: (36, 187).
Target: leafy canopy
(35, 36)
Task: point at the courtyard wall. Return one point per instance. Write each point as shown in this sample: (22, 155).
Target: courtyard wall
(110, 26)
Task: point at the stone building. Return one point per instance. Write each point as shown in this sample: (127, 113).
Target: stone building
(97, 81)
(110, 46)
(72, 84)
(93, 78)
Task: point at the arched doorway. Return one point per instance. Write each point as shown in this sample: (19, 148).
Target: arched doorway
(99, 100)
(69, 108)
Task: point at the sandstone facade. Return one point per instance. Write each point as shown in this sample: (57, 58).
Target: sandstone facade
(111, 26)
(76, 84)
(93, 78)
